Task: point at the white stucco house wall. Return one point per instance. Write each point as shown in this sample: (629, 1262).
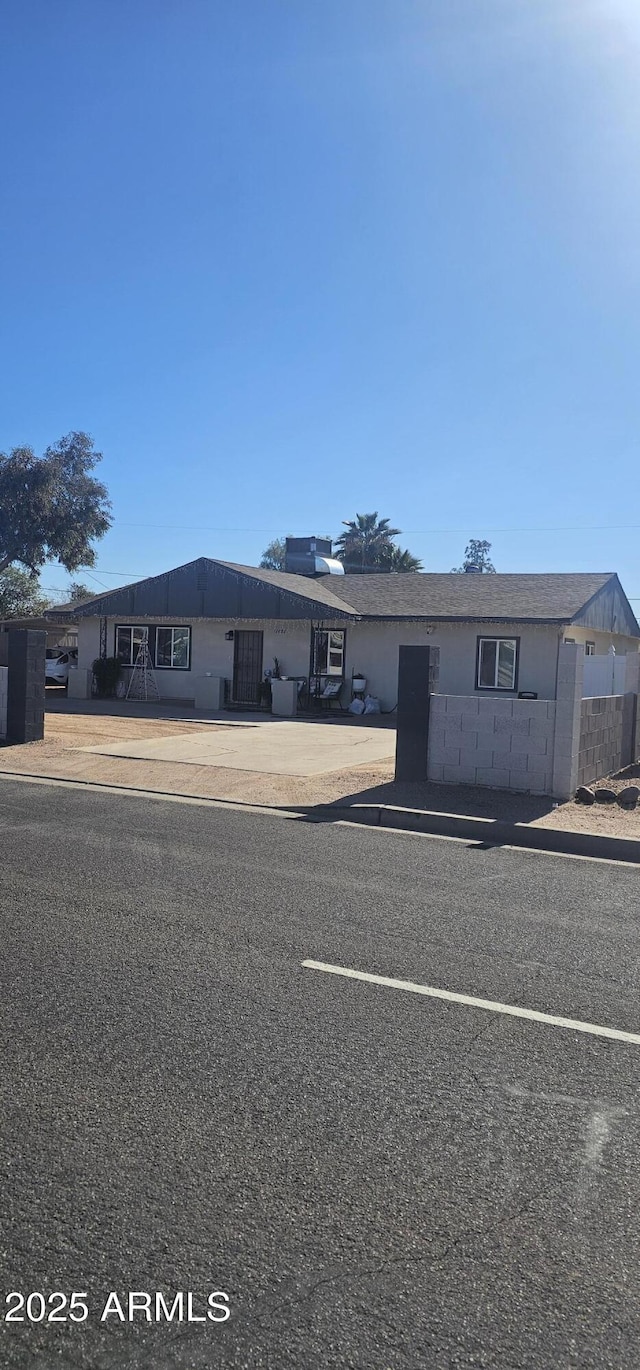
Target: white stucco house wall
(497, 634)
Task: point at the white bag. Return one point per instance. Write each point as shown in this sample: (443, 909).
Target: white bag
(356, 707)
(371, 705)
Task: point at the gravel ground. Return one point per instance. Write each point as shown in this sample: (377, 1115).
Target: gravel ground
(58, 756)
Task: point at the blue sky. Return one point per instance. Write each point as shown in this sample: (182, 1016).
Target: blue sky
(290, 259)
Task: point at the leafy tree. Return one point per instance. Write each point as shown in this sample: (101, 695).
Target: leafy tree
(273, 556)
(365, 542)
(51, 507)
(78, 590)
(21, 594)
(476, 554)
(393, 558)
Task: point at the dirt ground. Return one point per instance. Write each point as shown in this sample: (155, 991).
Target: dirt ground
(57, 756)
(66, 731)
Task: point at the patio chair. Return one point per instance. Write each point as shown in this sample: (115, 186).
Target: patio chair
(329, 694)
(301, 683)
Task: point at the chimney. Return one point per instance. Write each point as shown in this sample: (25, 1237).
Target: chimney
(311, 557)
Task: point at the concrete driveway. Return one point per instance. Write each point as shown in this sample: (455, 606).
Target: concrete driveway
(274, 747)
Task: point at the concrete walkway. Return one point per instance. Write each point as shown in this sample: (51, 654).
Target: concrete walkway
(290, 748)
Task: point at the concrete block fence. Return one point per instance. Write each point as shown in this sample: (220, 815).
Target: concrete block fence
(22, 657)
(606, 733)
(566, 742)
(535, 746)
(505, 744)
(4, 678)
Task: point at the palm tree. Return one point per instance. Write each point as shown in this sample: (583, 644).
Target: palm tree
(393, 558)
(364, 542)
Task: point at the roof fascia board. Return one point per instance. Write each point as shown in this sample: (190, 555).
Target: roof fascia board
(461, 618)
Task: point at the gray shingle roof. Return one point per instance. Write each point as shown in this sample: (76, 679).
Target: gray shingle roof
(543, 597)
(325, 590)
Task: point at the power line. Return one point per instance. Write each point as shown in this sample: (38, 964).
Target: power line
(99, 582)
(406, 532)
(116, 573)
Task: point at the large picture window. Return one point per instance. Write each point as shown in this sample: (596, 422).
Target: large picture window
(497, 663)
(328, 652)
(128, 640)
(173, 649)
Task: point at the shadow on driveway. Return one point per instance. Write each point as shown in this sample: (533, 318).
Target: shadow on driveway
(466, 800)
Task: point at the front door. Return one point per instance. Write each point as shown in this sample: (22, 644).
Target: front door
(247, 667)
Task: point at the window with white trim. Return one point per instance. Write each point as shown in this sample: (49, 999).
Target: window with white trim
(173, 648)
(589, 648)
(128, 642)
(497, 663)
(328, 651)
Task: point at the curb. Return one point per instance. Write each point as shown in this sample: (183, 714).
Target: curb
(488, 831)
(174, 796)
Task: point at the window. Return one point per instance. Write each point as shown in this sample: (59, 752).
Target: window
(128, 641)
(497, 663)
(589, 648)
(328, 652)
(173, 649)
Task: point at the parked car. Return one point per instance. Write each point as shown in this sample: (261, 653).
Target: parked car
(57, 663)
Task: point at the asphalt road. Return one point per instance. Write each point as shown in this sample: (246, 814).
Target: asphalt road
(375, 1178)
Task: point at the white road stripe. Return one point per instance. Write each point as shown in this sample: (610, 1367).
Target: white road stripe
(594, 1029)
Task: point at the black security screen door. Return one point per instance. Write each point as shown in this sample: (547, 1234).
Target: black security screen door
(247, 667)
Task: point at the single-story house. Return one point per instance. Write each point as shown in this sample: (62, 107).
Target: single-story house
(497, 634)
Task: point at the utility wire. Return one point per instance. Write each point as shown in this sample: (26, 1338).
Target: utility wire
(406, 532)
(104, 573)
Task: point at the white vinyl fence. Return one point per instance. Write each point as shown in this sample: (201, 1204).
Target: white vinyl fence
(604, 675)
